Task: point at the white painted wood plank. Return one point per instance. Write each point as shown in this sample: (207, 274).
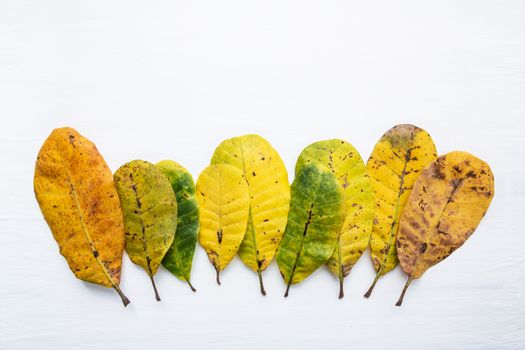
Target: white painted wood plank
(171, 79)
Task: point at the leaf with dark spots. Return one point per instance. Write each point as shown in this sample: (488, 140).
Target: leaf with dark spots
(426, 240)
(76, 194)
(346, 164)
(317, 213)
(393, 167)
(179, 257)
(224, 205)
(269, 193)
(150, 214)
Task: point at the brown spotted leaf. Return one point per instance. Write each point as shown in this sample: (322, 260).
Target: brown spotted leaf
(447, 203)
(75, 191)
(393, 167)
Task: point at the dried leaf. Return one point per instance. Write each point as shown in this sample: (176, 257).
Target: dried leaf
(150, 214)
(74, 188)
(393, 167)
(179, 258)
(346, 164)
(224, 204)
(317, 213)
(447, 203)
(269, 193)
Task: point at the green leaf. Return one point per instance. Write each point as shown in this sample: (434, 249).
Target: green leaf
(347, 165)
(317, 212)
(150, 214)
(179, 257)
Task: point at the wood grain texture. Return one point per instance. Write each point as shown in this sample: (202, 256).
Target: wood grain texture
(173, 79)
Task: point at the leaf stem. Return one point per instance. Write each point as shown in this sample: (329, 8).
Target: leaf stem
(259, 273)
(288, 288)
(157, 296)
(341, 291)
(218, 279)
(400, 300)
(191, 286)
(124, 298)
(369, 291)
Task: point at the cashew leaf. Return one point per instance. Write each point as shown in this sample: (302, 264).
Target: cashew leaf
(445, 207)
(317, 213)
(393, 167)
(150, 214)
(269, 193)
(347, 165)
(224, 205)
(179, 258)
(76, 194)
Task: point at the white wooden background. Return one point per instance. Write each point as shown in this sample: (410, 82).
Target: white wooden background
(171, 79)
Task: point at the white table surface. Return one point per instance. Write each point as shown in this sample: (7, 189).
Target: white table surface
(171, 79)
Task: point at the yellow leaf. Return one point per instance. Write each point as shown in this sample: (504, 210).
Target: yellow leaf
(393, 167)
(447, 203)
(75, 190)
(269, 193)
(224, 205)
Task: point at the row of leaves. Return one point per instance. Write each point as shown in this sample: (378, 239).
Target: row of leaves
(408, 205)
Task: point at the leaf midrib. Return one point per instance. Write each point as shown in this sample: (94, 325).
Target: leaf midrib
(305, 232)
(438, 222)
(391, 233)
(143, 227)
(250, 213)
(84, 228)
(177, 255)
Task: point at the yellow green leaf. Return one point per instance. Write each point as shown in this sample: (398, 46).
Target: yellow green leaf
(75, 191)
(224, 204)
(317, 213)
(393, 167)
(346, 164)
(150, 214)
(178, 259)
(447, 203)
(269, 193)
